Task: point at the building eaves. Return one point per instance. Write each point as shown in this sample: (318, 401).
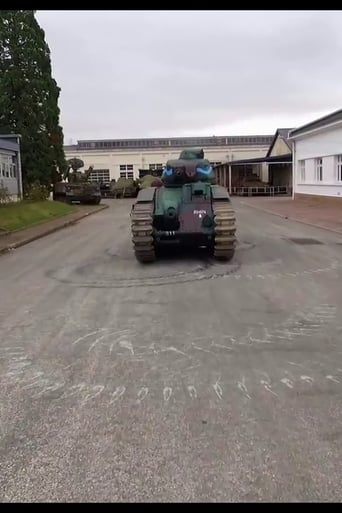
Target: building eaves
(9, 136)
(70, 147)
(329, 119)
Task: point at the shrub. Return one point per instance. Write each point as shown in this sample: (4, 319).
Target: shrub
(4, 194)
(37, 192)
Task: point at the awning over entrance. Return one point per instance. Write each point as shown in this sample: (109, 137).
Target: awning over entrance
(273, 170)
(278, 159)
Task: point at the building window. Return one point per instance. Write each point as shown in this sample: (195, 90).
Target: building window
(339, 168)
(100, 176)
(154, 167)
(126, 174)
(319, 169)
(215, 163)
(126, 167)
(7, 167)
(13, 170)
(302, 170)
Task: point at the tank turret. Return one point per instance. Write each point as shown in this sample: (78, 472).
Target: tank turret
(191, 166)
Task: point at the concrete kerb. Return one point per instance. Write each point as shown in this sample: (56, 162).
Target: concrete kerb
(283, 216)
(50, 230)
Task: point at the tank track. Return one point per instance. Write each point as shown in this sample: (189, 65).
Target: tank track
(225, 230)
(142, 232)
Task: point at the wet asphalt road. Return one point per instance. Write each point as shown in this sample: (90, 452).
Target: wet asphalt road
(185, 380)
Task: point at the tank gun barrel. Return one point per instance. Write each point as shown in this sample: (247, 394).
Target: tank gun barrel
(88, 171)
(66, 173)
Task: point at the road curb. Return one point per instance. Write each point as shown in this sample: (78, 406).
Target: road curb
(339, 232)
(48, 230)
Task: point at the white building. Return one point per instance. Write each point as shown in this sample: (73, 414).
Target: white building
(10, 165)
(317, 157)
(112, 158)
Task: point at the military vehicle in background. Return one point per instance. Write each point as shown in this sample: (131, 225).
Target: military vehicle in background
(188, 210)
(124, 188)
(105, 189)
(75, 186)
(150, 181)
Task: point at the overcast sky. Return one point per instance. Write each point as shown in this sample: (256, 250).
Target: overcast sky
(176, 73)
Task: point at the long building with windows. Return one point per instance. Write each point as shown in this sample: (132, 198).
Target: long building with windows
(132, 158)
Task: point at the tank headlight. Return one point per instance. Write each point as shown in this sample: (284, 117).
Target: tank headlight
(167, 171)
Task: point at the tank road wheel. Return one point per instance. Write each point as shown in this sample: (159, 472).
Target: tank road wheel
(142, 232)
(225, 228)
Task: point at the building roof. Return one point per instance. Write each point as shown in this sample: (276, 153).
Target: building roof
(334, 117)
(170, 142)
(7, 144)
(282, 133)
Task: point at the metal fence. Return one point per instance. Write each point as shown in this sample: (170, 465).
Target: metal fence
(262, 191)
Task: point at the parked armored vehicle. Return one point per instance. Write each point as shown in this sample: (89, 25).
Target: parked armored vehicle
(76, 186)
(125, 188)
